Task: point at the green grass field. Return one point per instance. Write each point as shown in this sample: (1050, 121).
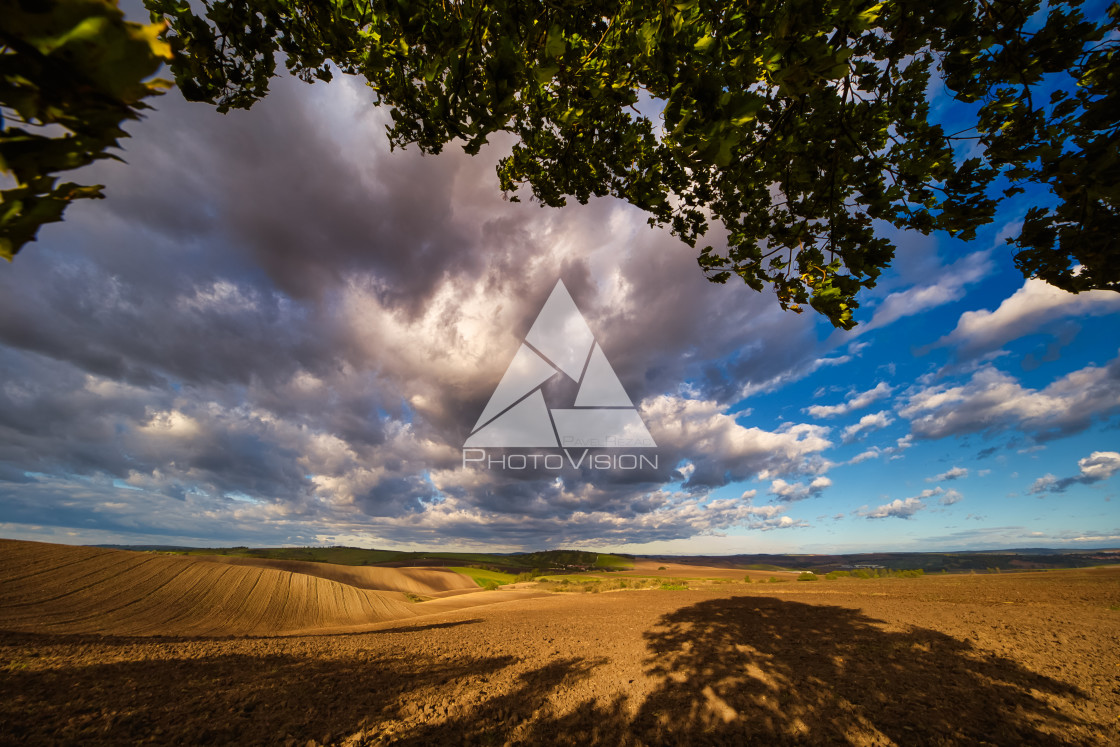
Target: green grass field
(482, 576)
(613, 562)
(551, 560)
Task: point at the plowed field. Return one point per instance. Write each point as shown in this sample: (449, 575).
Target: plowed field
(58, 589)
(422, 581)
(1007, 659)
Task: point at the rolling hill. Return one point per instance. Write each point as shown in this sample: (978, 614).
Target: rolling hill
(62, 589)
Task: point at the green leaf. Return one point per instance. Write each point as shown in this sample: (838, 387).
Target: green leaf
(555, 45)
(75, 66)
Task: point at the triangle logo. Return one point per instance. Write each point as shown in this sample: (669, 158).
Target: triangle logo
(560, 344)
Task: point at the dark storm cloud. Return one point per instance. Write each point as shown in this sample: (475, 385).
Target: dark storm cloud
(273, 321)
(304, 200)
(146, 335)
(50, 420)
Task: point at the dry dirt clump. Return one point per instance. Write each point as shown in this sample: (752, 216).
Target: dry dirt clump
(1009, 659)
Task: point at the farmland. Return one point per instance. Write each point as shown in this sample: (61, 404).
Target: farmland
(210, 652)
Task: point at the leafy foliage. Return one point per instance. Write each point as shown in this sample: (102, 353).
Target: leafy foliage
(71, 72)
(1069, 144)
(796, 124)
(802, 127)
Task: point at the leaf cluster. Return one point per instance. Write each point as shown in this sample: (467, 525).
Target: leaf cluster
(802, 128)
(71, 73)
(1050, 116)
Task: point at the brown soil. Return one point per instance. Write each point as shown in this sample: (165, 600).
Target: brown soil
(423, 581)
(665, 569)
(1008, 659)
(59, 589)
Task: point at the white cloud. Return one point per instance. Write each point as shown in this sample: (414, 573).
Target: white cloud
(799, 491)
(950, 497)
(894, 452)
(866, 424)
(722, 449)
(1030, 307)
(786, 522)
(857, 347)
(787, 376)
(858, 402)
(904, 508)
(1043, 484)
(871, 453)
(952, 474)
(919, 299)
(985, 538)
(1098, 466)
(993, 400)
(768, 511)
(898, 508)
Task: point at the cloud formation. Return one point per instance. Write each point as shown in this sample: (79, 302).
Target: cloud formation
(955, 473)
(949, 286)
(950, 497)
(905, 508)
(993, 400)
(244, 346)
(898, 508)
(277, 331)
(857, 402)
(799, 491)
(1031, 307)
(1097, 467)
(866, 424)
(721, 450)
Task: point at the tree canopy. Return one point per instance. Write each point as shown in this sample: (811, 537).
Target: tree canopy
(803, 127)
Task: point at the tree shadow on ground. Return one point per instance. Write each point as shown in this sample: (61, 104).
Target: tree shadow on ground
(494, 721)
(196, 696)
(765, 671)
(743, 670)
(758, 670)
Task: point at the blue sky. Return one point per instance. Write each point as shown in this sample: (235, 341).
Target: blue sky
(1021, 452)
(275, 331)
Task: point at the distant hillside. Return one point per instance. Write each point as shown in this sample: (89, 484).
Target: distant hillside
(553, 561)
(573, 561)
(930, 562)
(61, 589)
